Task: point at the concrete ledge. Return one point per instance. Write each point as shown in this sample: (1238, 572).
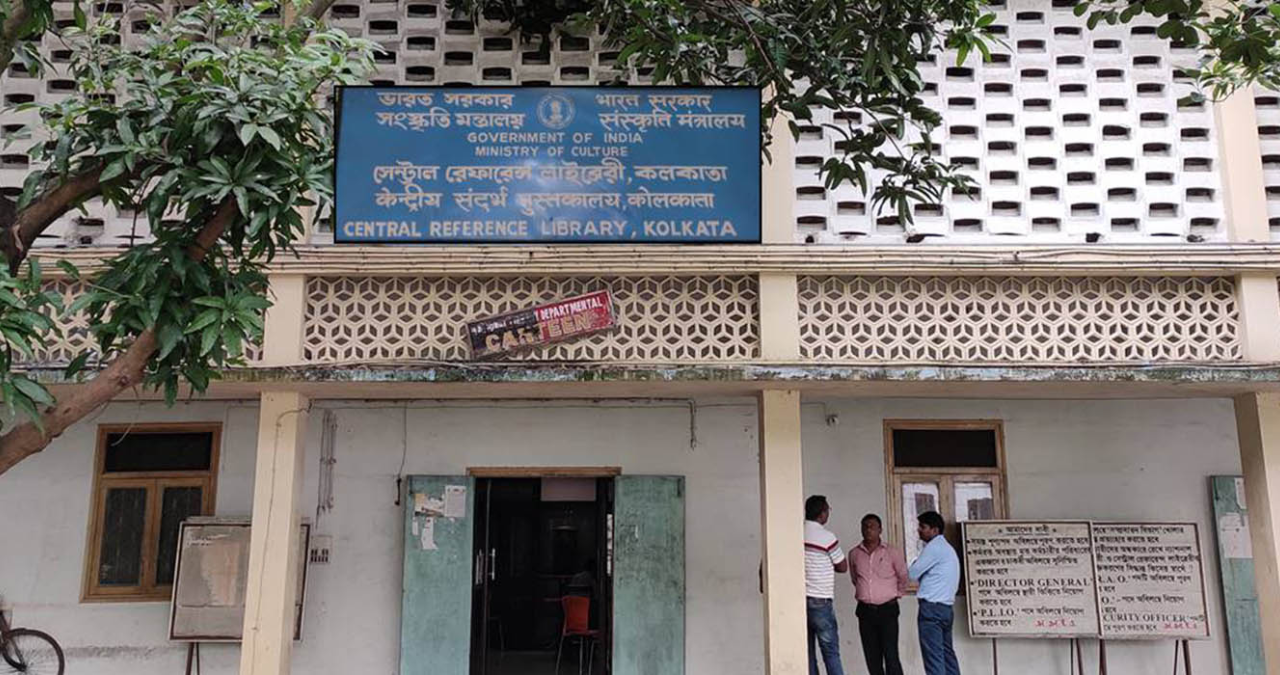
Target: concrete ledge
(1174, 259)
(595, 380)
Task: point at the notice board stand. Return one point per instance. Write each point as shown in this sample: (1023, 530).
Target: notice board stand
(1185, 647)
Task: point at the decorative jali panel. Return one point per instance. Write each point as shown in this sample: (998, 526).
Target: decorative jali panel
(1018, 319)
(75, 337)
(661, 319)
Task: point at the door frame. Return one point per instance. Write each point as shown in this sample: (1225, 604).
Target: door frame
(544, 471)
(488, 473)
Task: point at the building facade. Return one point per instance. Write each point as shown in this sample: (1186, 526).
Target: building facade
(1093, 334)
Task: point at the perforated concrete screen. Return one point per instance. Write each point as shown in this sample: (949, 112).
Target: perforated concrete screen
(1069, 132)
(1267, 104)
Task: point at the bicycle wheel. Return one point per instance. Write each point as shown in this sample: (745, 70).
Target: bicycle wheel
(32, 652)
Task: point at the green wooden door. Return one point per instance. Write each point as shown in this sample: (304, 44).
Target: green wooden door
(435, 619)
(648, 578)
(1235, 561)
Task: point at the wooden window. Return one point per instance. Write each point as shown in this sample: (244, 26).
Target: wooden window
(147, 480)
(954, 467)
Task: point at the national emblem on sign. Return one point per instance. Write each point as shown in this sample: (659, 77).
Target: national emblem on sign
(555, 111)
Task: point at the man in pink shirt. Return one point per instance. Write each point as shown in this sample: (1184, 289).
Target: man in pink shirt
(879, 578)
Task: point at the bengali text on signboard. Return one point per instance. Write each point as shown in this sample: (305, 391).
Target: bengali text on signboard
(1030, 579)
(548, 164)
(1067, 579)
(1150, 581)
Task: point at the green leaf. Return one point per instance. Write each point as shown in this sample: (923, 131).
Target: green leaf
(205, 318)
(270, 136)
(115, 168)
(28, 408)
(77, 364)
(77, 12)
(33, 390)
(208, 338)
(169, 336)
(69, 269)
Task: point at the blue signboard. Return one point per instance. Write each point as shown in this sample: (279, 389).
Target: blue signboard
(548, 165)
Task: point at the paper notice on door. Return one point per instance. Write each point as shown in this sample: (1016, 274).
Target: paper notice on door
(419, 502)
(1234, 531)
(1240, 501)
(427, 538)
(455, 501)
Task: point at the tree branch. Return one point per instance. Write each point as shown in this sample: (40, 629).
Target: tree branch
(17, 235)
(10, 31)
(317, 9)
(125, 371)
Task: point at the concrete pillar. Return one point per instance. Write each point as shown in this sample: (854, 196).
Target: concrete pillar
(782, 533)
(1258, 426)
(1258, 298)
(777, 181)
(1240, 165)
(267, 646)
(779, 317)
(282, 325)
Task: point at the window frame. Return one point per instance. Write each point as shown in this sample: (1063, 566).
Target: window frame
(944, 477)
(155, 483)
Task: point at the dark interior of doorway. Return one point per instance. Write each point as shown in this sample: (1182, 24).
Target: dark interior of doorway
(539, 540)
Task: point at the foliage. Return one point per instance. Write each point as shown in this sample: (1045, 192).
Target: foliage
(220, 108)
(808, 55)
(214, 131)
(25, 21)
(25, 308)
(1238, 40)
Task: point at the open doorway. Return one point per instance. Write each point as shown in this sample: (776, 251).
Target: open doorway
(542, 582)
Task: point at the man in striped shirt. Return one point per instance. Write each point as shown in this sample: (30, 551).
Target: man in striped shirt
(823, 559)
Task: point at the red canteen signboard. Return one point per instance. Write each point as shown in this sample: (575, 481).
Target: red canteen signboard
(541, 325)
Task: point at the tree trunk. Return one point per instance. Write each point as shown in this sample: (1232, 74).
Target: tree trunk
(19, 13)
(17, 236)
(124, 371)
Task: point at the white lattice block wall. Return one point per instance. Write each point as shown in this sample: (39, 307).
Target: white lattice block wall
(1067, 132)
(1018, 319)
(1267, 105)
(75, 338)
(661, 319)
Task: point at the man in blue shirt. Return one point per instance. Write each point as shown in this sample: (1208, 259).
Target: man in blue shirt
(938, 572)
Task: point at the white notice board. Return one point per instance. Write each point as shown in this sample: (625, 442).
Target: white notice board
(211, 579)
(1030, 579)
(1068, 579)
(1150, 580)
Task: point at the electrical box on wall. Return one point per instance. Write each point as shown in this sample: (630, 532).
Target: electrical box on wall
(321, 547)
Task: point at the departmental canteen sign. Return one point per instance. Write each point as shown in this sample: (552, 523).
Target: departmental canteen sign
(548, 165)
(544, 324)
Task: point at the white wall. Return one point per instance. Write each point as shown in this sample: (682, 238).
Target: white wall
(1106, 459)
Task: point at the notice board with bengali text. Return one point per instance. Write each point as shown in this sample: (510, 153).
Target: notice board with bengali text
(1071, 579)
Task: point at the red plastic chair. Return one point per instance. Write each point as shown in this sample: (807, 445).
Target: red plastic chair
(577, 618)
